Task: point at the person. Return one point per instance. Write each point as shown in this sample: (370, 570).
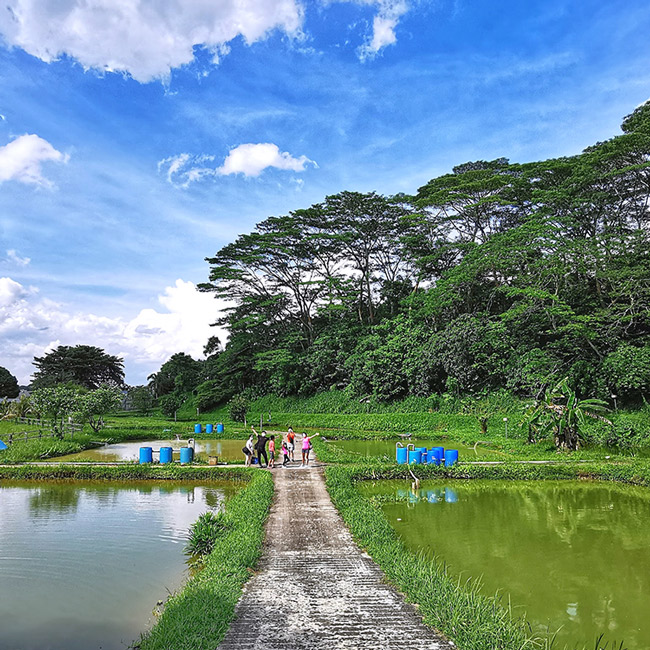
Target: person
(248, 450)
(272, 452)
(261, 447)
(306, 448)
(285, 454)
(291, 442)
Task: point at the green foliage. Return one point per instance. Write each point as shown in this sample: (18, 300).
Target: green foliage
(562, 413)
(141, 399)
(205, 533)
(238, 407)
(8, 384)
(498, 275)
(56, 405)
(170, 403)
(84, 365)
(628, 369)
(94, 405)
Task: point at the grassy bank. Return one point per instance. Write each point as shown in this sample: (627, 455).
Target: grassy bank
(472, 620)
(198, 617)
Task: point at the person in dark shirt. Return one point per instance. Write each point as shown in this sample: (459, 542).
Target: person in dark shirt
(261, 447)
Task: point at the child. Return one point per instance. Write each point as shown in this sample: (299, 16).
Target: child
(272, 452)
(285, 454)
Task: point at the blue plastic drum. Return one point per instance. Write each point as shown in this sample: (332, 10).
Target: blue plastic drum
(401, 455)
(451, 457)
(208, 428)
(219, 428)
(146, 455)
(197, 428)
(166, 455)
(415, 457)
(187, 455)
(436, 455)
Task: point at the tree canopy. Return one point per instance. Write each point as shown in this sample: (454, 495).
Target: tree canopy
(8, 384)
(496, 275)
(83, 365)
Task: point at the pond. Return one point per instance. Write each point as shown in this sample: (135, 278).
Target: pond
(387, 448)
(574, 556)
(226, 450)
(83, 564)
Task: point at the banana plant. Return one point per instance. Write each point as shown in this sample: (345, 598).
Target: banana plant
(562, 414)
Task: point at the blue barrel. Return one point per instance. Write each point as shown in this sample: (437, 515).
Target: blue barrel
(423, 454)
(166, 455)
(197, 428)
(436, 455)
(451, 457)
(187, 455)
(401, 455)
(219, 428)
(146, 455)
(415, 457)
(208, 428)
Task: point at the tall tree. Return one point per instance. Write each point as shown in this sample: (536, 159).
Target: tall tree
(84, 365)
(8, 384)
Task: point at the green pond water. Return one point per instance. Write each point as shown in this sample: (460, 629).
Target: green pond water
(387, 448)
(83, 564)
(130, 451)
(575, 556)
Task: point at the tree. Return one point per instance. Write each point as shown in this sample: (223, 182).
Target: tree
(56, 405)
(180, 372)
(561, 413)
(8, 384)
(170, 403)
(238, 407)
(141, 399)
(94, 405)
(84, 365)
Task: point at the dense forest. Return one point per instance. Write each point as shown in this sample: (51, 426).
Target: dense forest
(495, 276)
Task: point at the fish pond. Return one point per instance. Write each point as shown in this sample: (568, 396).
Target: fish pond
(224, 450)
(83, 564)
(574, 556)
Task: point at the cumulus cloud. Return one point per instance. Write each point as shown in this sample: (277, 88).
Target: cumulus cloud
(148, 38)
(22, 158)
(144, 38)
(31, 325)
(246, 159)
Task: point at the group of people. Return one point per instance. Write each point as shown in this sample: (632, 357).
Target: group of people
(256, 447)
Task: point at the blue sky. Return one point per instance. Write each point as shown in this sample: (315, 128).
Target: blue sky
(135, 144)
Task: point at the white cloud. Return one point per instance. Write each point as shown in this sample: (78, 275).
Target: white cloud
(383, 26)
(144, 38)
(31, 325)
(246, 159)
(21, 160)
(14, 259)
(253, 159)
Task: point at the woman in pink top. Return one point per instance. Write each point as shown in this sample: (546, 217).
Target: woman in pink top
(272, 453)
(306, 447)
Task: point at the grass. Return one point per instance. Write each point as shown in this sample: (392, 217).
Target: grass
(198, 617)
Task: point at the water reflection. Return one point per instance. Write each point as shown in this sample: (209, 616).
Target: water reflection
(574, 555)
(82, 565)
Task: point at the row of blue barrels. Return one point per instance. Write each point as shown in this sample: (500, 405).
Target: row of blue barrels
(209, 428)
(166, 455)
(422, 456)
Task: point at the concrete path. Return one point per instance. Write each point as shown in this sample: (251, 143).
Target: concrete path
(315, 588)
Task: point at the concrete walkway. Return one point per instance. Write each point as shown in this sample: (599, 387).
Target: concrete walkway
(315, 588)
